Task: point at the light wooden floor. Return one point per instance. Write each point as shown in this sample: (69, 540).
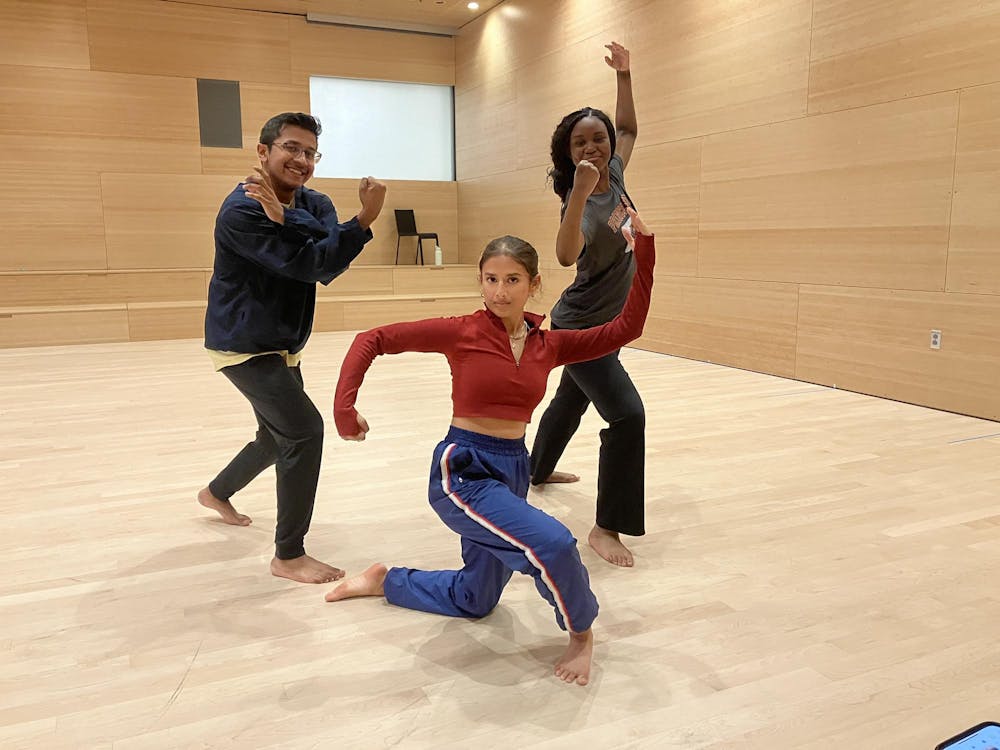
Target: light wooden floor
(818, 571)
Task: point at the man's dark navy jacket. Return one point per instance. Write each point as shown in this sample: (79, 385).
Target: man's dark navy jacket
(262, 296)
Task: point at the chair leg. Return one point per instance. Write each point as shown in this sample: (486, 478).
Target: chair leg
(420, 252)
(397, 249)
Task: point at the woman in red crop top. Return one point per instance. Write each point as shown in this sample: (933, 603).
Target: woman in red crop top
(500, 360)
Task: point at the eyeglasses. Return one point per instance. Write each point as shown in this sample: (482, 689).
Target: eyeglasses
(294, 149)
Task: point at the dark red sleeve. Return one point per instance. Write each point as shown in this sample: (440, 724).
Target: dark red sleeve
(434, 335)
(591, 343)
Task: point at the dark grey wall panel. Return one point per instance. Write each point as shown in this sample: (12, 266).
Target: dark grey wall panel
(219, 113)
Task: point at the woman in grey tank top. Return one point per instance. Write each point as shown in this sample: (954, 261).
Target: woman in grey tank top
(589, 156)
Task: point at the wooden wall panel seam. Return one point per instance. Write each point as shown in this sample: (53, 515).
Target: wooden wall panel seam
(951, 200)
(104, 223)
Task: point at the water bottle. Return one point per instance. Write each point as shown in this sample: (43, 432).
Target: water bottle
(438, 257)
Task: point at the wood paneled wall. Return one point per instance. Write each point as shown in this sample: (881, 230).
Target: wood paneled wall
(823, 176)
(104, 166)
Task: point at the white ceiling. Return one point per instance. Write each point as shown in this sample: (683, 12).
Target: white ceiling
(444, 16)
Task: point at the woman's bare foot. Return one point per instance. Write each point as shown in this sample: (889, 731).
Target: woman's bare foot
(574, 665)
(305, 569)
(609, 546)
(224, 508)
(369, 583)
(561, 477)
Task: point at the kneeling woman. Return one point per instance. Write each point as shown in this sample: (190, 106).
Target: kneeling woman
(500, 361)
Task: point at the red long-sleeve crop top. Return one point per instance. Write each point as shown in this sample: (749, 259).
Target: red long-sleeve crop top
(486, 380)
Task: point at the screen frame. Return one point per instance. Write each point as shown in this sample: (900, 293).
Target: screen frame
(965, 735)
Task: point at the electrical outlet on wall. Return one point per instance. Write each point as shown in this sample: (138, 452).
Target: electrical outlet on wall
(935, 339)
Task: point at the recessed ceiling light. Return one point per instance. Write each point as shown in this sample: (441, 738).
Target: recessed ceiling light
(473, 6)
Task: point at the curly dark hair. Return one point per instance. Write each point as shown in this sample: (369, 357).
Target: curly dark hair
(562, 170)
(272, 128)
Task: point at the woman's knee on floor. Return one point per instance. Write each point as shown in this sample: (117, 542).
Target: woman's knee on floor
(474, 596)
(478, 604)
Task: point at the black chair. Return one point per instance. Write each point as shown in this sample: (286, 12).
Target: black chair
(406, 226)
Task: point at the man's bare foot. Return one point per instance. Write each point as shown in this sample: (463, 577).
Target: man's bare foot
(224, 508)
(574, 665)
(609, 546)
(561, 477)
(305, 569)
(369, 583)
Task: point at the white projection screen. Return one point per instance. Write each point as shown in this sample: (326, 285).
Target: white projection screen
(387, 129)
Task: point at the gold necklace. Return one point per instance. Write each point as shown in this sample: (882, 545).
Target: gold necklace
(523, 333)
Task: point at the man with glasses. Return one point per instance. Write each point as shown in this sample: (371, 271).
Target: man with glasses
(274, 239)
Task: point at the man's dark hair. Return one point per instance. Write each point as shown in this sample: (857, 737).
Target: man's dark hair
(272, 128)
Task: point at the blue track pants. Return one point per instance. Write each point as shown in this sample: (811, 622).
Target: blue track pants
(478, 486)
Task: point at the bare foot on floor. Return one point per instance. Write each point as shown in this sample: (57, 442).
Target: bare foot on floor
(305, 569)
(369, 583)
(561, 477)
(609, 546)
(574, 665)
(224, 508)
